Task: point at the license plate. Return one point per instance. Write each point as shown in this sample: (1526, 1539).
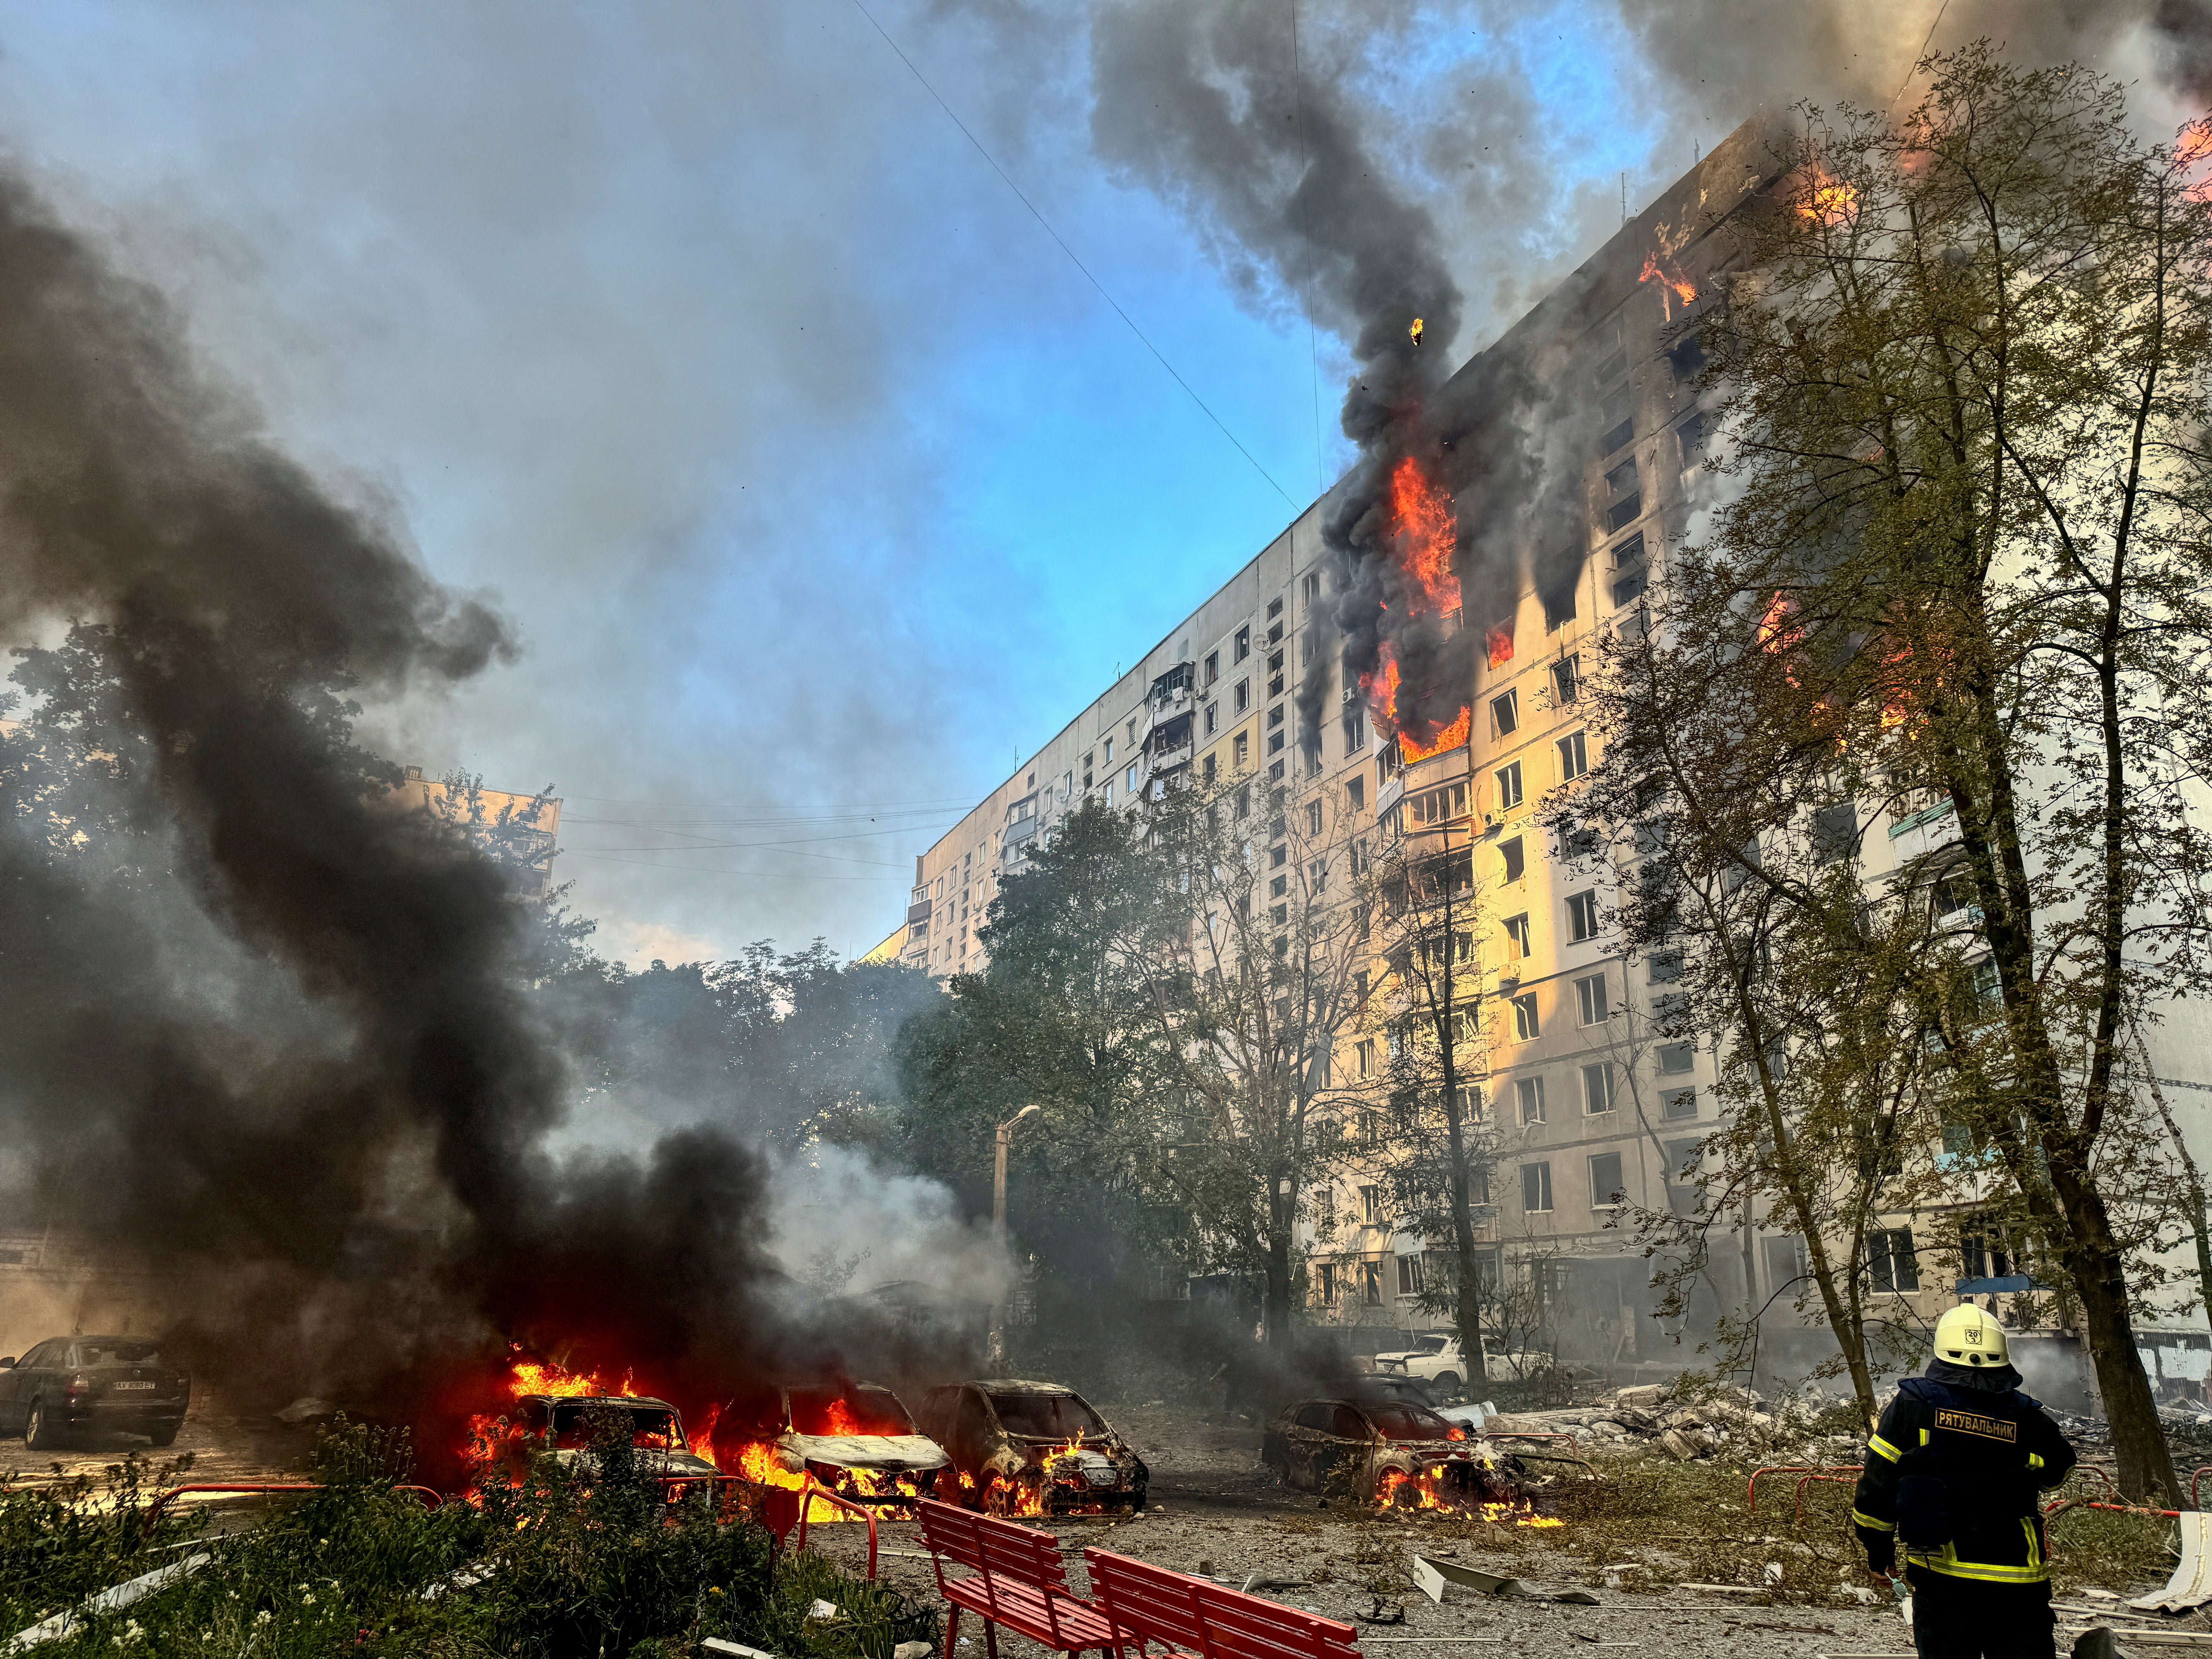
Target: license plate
(133, 1385)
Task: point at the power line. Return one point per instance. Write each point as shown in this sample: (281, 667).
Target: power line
(1070, 252)
(1922, 53)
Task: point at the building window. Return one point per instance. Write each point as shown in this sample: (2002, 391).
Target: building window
(1355, 796)
(1325, 1284)
(1275, 674)
(1309, 588)
(1676, 1058)
(1559, 610)
(1506, 714)
(1355, 731)
(1110, 751)
(1529, 1091)
(1243, 643)
(1409, 1276)
(1509, 787)
(1243, 748)
(1274, 608)
(1313, 817)
(1213, 718)
(1370, 1205)
(1606, 1189)
(1212, 666)
(1133, 780)
(1591, 1001)
(1280, 887)
(1891, 1261)
(1243, 695)
(1665, 966)
(1110, 792)
(1275, 742)
(1209, 768)
(1516, 934)
(1582, 917)
(1363, 1052)
(1597, 1087)
(1567, 679)
(1370, 1283)
(1574, 756)
(1516, 860)
(1679, 1102)
(1536, 1188)
(1526, 1026)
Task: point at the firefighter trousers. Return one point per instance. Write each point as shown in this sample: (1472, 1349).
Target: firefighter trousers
(1966, 1618)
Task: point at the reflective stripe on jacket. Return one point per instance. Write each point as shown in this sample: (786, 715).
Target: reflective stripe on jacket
(1955, 1474)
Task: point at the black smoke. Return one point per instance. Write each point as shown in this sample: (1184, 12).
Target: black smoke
(262, 1033)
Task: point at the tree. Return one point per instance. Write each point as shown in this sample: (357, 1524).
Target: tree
(1961, 580)
(1446, 1141)
(1257, 968)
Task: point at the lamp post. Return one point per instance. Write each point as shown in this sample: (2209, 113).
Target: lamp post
(1003, 1140)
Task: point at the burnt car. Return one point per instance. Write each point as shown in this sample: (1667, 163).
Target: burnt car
(92, 1384)
(1381, 1450)
(1033, 1449)
(565, 1424)
(855, 1438)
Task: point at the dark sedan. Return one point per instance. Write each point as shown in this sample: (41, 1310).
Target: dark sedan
(99, 1384)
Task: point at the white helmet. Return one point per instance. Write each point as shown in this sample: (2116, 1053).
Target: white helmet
(1967, 1336)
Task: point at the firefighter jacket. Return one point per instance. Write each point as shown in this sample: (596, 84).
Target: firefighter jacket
(1952, 1479)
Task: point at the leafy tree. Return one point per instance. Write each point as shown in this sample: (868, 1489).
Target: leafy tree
(1959, 579)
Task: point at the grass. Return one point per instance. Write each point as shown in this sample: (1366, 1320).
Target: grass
(568, 1563)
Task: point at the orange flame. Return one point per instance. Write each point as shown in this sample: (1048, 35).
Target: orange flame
(1448, 738)
(1425, 529)
(1827, 201)
(1673, 284)
(1426, 1491)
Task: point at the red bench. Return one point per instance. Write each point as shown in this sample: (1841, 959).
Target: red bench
(1194, 1617)
(1019, 1580)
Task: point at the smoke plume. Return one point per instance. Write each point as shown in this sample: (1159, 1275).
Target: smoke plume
(282, 1048)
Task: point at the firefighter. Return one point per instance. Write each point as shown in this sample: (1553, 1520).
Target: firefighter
(1953, 1474)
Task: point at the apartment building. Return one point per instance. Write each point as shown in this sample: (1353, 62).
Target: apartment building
(1590, 1114)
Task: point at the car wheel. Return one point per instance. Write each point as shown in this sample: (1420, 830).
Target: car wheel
(38, 1429)
(164, 1435)
(1448, 1381)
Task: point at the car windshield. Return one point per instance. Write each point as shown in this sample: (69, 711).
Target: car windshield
(1429, 1345)
(1399, 1420)
(1047, 1416)
(652, 1427)
(849, 1411)
(98, 1352)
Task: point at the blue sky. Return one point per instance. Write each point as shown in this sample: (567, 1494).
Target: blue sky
(822, 485)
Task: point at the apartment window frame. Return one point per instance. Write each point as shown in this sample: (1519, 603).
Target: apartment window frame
(1505, 713)
(1670, 1053)
(1510, 793)
(1593, 1004)
(1601, 1085)
(1607, 1194)
(1520, 935)
(1574, 756)
(1892, 1261)
(1528, 1020)
(1514, 853)
(1582, 916)
(1678, 1105)
(1567, 679)
(1241, 647)
(1536, 1188)
(1528, 1097)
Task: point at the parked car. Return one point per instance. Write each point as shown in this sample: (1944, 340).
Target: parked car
(99, 1384)
(856, 1438)
(1373, 1447)
(565, 1424)
(1033, 1449)
(1438, 1358)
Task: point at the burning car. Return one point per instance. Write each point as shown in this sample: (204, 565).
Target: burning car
(567, 1423)
(1385, 1451)
(1033, 1449)
(856, 1439)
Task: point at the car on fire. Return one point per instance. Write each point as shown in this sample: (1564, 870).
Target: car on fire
(856, 1438)
(1378, 1450)
(99, 1384)
(567, 1424)
(1033, 1449)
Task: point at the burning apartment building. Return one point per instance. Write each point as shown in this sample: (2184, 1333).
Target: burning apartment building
(1412, 650)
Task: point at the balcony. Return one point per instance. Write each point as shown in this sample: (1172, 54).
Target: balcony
(917, 913)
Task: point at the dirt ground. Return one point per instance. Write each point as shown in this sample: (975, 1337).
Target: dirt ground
(1214, 1510)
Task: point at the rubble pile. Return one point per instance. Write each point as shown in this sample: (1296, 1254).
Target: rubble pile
(1657, 1419)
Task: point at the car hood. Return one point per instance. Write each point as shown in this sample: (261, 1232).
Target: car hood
(895, 1452)
(657, 1462)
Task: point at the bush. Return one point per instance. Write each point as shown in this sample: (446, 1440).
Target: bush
(571, 1561)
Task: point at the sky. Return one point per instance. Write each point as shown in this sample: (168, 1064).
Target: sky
(821, 481)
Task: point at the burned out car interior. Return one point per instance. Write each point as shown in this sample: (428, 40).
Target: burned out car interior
(856, 1438)
(1022, 1447)
(568, 1425)
(1373, 1447)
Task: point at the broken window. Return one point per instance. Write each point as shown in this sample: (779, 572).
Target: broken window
(1624, 513)
(1591, 1001)
(1582, 917)
(1605, 1190)
(1509, 787)
(1679, 1102)
(1891, 1261)
(1536, 1188)
(1597, 1087)
(1506, 714)
(1566, 679)
(1526, 1026)
(1370, 1204)
(1355, 794)
(1241, 747)
(1560, 609)
(1516, 935)
(1574, 756)
(1213, 718)
(1514, 858)
(1621, 479)
(1409, 1276)
(1529, 1092)
(1212, 666)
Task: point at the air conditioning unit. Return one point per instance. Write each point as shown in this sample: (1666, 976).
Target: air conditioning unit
(1490, 820)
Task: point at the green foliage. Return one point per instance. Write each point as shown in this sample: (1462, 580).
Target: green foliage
(574, 1561)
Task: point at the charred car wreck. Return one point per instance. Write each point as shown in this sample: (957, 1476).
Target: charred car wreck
(1033, 1449)
(1376, 1449)
(856, 1439)
(569, 1425)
